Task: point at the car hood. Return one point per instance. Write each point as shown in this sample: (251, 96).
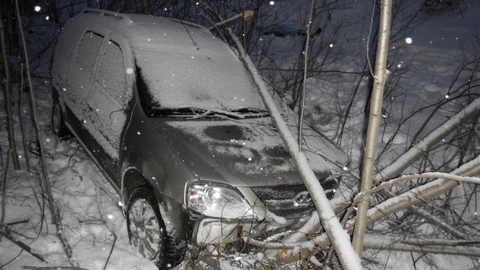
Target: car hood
(243, 153)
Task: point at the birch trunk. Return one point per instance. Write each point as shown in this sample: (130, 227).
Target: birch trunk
(380, 77)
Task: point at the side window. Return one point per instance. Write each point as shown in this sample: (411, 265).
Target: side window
(111, 73)
(88, 49)
(108, 98)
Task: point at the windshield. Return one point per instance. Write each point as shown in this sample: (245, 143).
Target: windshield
(206, 75)
(195, 110)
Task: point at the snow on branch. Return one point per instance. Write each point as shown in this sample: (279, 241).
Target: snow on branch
(447, 176)
(400, 202)
(422, 193)
(337, 235)
(454, 247)
(428, 142)
(231, 21)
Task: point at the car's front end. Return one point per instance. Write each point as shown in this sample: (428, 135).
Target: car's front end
(222, 214)
(246, 184)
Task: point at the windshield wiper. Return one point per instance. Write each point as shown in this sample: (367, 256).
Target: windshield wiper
(252, 113)
(198, 113)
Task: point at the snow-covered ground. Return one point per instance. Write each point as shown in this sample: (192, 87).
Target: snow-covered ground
(427, 63)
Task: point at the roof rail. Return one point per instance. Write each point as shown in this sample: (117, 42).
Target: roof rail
(106, 13)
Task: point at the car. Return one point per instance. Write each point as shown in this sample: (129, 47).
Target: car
(173, 118)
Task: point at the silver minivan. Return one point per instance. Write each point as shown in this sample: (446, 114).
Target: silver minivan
(171, 115)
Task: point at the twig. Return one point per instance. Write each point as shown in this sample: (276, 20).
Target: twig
(111, 250)
(423, 147)
(6, 233)
(17, 222)
(208, 260)
(53, 268)
(432, 175)
(391, 243)
(98, 188)
(328, 258)
(231, 21)
(63, 239)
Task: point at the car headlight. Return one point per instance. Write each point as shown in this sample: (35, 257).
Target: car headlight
(218, 201)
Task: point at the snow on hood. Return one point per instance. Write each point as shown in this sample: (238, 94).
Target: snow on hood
(243, 153)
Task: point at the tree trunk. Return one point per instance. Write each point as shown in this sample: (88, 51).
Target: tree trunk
(305, 75)
(380, 77)
(8, 107)
(35, 118)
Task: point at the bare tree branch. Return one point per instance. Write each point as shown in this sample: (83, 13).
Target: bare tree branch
(422, 148)
(53, 268)
(421, 246)
(338, 236)
(402, 178)
(299, 249)
(422, 193)
(434, 220)
(6, 233)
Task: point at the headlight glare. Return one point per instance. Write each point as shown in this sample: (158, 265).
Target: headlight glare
(217, 201)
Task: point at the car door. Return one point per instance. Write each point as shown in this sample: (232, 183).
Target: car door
(108, 100)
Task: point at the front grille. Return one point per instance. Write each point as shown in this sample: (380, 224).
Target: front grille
(288, 201)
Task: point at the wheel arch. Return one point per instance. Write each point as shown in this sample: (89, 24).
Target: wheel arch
(176, 219)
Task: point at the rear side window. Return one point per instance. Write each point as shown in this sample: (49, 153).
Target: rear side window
(111, 73)
(88, 50)
(108, 98)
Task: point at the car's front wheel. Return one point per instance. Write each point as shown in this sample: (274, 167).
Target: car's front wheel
(146, 228)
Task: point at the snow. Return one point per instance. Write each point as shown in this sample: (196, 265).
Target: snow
(212, 78)
(423, 192)
(430, 62)
(91, 219)
(253, 141)
(100, 111)
(339, 237)
(446, 128)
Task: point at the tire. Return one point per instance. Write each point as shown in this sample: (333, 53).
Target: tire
(58, 124)
(146, 228)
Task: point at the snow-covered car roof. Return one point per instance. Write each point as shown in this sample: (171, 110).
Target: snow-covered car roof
(184, 65)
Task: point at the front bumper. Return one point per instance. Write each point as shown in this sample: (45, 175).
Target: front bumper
(210, 231)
